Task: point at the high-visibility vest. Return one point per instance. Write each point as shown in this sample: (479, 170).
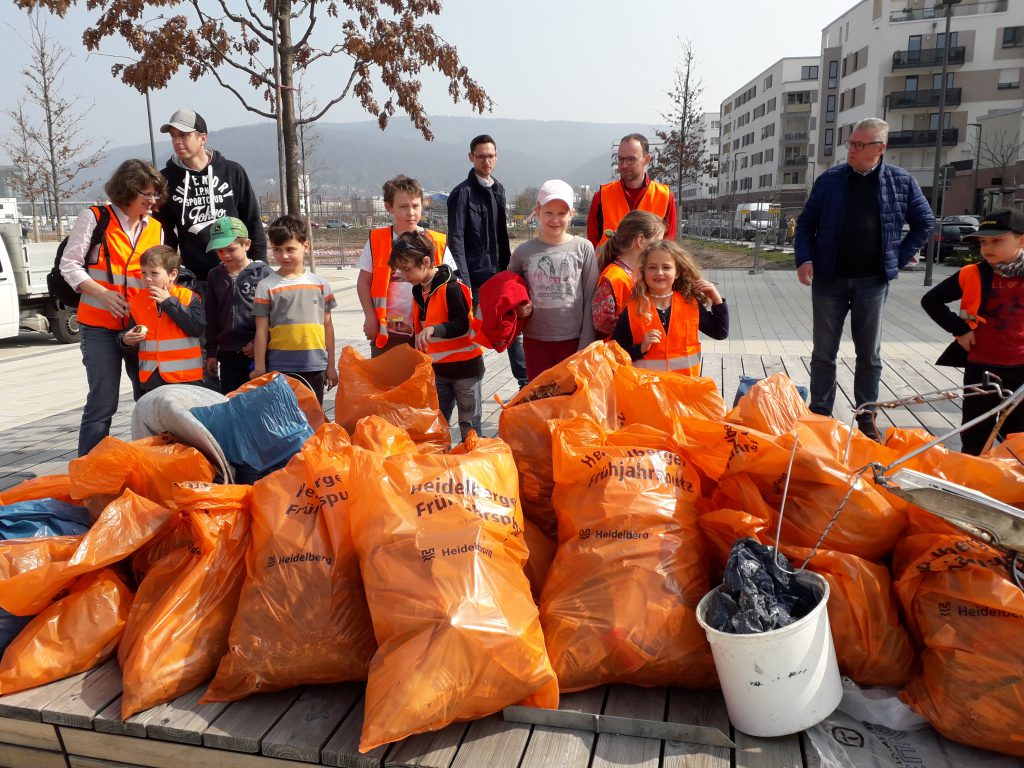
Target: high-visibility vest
(166, 348)
(679, 349)
(380, 250)
(456, 348)
(614, 205)
(970, 299)
(118, 261)
(622, 283)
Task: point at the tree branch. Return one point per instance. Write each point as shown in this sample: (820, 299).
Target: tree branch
(241, 99)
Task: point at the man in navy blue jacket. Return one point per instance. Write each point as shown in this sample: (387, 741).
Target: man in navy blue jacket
(478, 231)
(849, 245)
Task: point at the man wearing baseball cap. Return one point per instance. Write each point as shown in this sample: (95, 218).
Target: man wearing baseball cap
(989, 328)
(203, 186)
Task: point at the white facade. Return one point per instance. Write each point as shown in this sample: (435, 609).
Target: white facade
(883, 58)
(767, 125)
(705, 188)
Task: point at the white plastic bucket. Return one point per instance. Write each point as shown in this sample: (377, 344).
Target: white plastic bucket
(782, 681)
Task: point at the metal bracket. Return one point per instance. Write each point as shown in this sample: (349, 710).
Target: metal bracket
(622, 726)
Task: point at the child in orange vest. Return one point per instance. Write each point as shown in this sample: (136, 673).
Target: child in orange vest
(618, 261)
(670, 304)
(442, 327)
(989, 329)
(166, 323)
(384, 294)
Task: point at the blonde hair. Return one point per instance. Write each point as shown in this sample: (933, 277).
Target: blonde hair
(687, 274)
(633, 225)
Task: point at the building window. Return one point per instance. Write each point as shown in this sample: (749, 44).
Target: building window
(759, 112)
(771, 104)
(829, 137)
(769, 155)
(768, 130)
(1008, 79)
(833, 74)
(940, 40)
(830, 108)
(933, 120)
(757, 158)
(809, 73)
(767, 83)
(1013, 37)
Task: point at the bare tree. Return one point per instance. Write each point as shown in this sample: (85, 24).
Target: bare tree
(20, 145)
(263, 48)
(1002, 150)
(683, 155)
(59, 152)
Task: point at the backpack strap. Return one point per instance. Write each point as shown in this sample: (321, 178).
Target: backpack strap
(99, 237)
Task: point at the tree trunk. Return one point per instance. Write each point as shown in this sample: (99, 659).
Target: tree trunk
(288, 121)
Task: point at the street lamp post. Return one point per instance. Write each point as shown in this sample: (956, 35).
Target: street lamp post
(933, 244)
(975, 202)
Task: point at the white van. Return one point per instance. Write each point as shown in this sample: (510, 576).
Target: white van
(754, 218)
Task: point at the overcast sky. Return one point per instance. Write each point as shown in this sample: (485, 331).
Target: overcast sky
(588, 60)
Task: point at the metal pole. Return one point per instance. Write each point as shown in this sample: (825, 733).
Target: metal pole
(152, 142)
(277, 113)
(933, 241)
(975, 198)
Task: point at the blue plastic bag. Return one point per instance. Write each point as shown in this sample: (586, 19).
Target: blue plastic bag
(30, 519)
(261, 428)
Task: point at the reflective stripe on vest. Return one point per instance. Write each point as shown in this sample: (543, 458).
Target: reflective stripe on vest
(166, 348)
(456, 348)
(125, 269)
(381, 240)
(679, 349)
(614, 205)
(970, 298)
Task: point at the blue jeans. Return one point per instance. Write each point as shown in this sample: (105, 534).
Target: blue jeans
(102, 357)
(466, 393)
(863, 298)
(517, 361)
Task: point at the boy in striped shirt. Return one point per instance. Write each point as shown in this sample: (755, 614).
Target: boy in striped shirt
(292, 308)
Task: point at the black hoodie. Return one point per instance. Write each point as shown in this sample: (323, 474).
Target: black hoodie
(197, 199)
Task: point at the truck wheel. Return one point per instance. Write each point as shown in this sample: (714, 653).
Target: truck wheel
(64, 324)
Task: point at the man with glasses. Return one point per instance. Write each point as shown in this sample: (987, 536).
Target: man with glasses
(633, 191)
(478, 231)
(848, 247)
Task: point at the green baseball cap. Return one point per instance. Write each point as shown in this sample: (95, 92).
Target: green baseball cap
(225, 231)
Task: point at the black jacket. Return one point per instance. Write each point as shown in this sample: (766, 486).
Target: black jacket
(229, 321)
(478, 230)
(934, 303)
(188, 214)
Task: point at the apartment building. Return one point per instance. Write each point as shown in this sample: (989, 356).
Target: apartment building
(767, 124)
(702, 191)
(884, 58)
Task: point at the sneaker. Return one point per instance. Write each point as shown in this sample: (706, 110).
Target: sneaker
(868, 428)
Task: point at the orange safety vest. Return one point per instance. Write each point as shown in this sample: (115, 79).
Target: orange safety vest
(679, 349)
(166, 348)
(970, 299)
(622, 283)
(457, 348)
(120, 258)
(380, 250)
(614, 205)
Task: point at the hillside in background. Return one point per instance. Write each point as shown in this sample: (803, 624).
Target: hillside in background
(356, 158)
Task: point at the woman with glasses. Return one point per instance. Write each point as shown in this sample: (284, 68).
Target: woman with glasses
(108, 275)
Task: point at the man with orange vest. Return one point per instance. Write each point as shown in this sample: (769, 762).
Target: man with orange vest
(384, 293)
(169, 320)
(443, 327)
(633, 191)
(988, 331)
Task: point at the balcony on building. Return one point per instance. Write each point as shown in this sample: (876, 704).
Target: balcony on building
(938, 11)
(928, 97)
(928, 57)
(795, 162)
(924, 138)
(795, 136)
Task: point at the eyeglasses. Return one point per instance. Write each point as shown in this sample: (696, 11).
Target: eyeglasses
(154, 196)
(627, 160)
(860, 145)
(485, 157)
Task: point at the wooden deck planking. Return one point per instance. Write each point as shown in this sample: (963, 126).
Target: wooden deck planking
(310, 720)
(242, 726)
(628, 701)
(563, 748)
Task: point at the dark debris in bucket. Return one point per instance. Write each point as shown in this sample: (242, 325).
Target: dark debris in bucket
(758, 595)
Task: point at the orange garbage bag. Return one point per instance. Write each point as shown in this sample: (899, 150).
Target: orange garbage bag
(308, 403)
(180, 640)
(772, 405)
(441, 551)
(657, 398)
(155, 583)
(150, 467)
(44, 487)
(619, 604)
(71, 635)
(375, 434)
(302, 617)
(968, 613)
(581, 384)
(126, 524)
(542, 554)
(399, 387)
(872, 645)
